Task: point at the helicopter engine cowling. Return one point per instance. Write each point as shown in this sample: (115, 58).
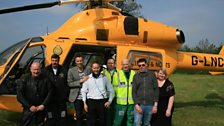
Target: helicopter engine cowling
(106, 25)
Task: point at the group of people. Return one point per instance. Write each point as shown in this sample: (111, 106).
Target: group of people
(43, 94)
(109, 97)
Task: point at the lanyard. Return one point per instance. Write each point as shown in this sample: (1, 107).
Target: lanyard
(98, 88)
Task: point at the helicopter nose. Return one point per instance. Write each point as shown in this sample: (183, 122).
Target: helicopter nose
(180, 36)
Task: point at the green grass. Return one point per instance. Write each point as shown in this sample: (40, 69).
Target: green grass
(199, 101)
(9, 118)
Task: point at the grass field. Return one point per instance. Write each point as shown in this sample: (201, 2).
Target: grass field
(199, 101)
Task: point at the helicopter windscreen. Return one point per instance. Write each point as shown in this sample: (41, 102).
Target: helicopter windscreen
(10, 50)
(18, 46)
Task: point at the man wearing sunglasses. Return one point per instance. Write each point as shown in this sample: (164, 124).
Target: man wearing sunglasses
(145, 94)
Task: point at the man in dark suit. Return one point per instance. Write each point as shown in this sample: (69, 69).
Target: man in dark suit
(34, 92)
(57, 109)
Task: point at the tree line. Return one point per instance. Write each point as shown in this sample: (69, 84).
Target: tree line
(203, 46)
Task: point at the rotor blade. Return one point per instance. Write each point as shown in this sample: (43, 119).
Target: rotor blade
(80, 1)
(46, 5)
(29, 7)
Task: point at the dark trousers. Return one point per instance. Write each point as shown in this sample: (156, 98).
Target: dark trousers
(111, 113)
(27, 117)
(96, 110)
(56, 114)
(79, 108)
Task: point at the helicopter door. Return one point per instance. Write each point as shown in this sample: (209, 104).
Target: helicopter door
(11, 64)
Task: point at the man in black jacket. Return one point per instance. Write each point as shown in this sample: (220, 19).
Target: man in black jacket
(57, 110)
(34, 92)
(145, 94)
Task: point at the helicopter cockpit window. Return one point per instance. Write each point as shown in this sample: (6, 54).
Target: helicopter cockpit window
(22, 67)
(32, 54)
(9, 51)
(37, 39)
(18, 46)
(154, 59)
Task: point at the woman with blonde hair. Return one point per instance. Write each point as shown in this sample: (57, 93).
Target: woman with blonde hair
(163, 116)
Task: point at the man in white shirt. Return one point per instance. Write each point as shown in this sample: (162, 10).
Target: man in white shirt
(94, 96)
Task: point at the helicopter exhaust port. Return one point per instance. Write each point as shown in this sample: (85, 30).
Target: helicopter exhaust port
(180, 36)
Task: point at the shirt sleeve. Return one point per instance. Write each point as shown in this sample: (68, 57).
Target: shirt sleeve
(110, 89)
(134, 89)
(84, 90)
(155, 88)
(170, 89)
(49, 94)
(71, 80)
(20, 95)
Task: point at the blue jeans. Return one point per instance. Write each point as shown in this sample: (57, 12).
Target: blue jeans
(144, 118)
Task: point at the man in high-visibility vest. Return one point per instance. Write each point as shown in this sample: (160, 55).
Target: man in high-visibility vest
(111, 73)
(123, 92)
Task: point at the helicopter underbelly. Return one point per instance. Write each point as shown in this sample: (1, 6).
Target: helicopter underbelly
(10, 103)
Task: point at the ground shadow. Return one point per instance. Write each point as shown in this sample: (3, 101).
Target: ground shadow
(13, 119)
(211, 100)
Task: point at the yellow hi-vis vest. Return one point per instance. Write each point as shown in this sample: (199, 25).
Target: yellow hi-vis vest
(113, 79)
(124, 88)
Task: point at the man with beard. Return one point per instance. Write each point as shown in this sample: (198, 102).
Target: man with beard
(94, 96)
(34, 92)
(57, 110)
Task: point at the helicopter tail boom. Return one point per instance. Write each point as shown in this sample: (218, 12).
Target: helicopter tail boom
(218, 73)
(200, 61)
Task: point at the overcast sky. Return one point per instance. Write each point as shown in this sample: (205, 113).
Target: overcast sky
(199, 19)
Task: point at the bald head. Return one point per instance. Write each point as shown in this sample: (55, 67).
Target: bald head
(35, 69)
(110, 64)
(125, 64)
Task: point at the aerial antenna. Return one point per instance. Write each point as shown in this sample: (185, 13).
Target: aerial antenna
(47, 31)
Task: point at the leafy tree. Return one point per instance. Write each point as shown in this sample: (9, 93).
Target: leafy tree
(185, 48)
(129, 7)
(204, 46)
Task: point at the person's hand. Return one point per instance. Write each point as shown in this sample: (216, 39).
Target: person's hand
(85, 107)
(33, 109)
(154, 109)
(40, 108)
(168, 113)
(138, 108)
(85, 78)
(107, 104)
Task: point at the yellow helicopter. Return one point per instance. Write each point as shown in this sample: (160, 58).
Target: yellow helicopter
(98, 32)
